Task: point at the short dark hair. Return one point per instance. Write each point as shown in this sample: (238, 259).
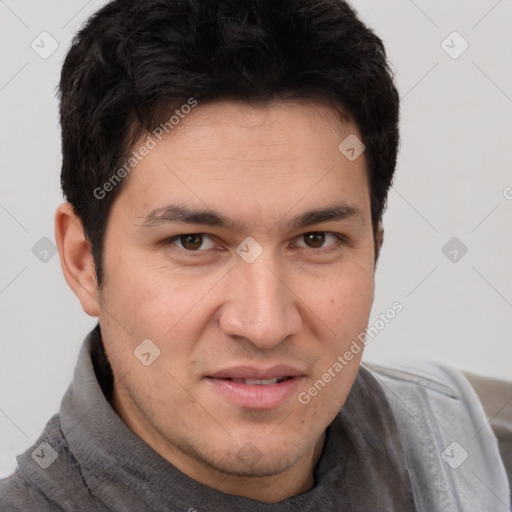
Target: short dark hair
(135, 61)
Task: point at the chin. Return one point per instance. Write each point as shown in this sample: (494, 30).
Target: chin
(249, 461)
(264, 467)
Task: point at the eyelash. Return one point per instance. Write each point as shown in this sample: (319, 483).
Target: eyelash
(341, 239)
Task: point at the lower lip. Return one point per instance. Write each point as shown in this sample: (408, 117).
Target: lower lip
(257, 396)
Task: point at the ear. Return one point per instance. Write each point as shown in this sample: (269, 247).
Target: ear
(76, 258)
(379, 239)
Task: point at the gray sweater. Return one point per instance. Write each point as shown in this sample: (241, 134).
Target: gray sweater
(405, 440)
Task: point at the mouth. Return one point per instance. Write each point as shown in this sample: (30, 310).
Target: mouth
(260, 382)
(253, 388)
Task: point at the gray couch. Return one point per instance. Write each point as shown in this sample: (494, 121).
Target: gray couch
(496, 398)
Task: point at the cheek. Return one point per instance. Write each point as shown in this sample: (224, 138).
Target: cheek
(344, 301)
(350, 310)
(154, 302)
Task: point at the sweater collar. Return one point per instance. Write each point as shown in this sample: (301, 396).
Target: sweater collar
(361, 466)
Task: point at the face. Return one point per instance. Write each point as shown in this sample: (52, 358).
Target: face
(255, 289)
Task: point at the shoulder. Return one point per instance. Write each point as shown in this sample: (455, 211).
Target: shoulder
(21, 491)
(47, 478)
(450, 448)
(425, 374)
(18, 494)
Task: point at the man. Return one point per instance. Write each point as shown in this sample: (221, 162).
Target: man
(226, 167)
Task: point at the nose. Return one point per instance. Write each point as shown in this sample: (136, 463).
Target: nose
(262, 306)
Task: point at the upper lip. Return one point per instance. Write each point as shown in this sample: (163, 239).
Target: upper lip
(250, 372)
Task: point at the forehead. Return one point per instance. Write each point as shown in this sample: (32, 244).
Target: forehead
(249, 161)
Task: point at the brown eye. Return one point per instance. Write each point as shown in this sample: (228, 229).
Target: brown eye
(319, 240)
(192, 241)
(314, 240)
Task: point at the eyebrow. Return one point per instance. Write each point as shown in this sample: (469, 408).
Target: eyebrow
(179, 214)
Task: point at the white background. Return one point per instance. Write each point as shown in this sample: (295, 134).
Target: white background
(454, 166)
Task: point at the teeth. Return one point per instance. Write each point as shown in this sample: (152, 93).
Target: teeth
(261, 382)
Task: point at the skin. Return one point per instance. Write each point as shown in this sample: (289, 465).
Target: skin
(299, 303)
